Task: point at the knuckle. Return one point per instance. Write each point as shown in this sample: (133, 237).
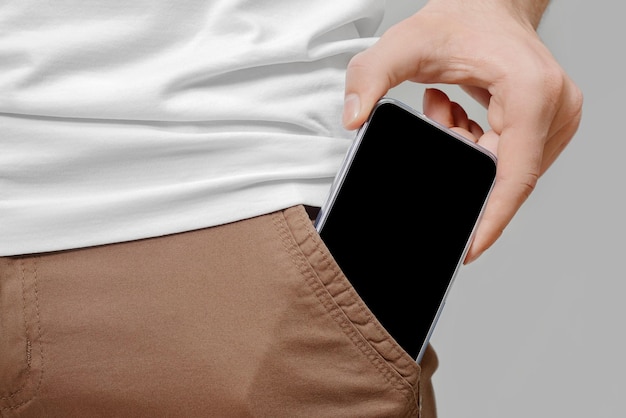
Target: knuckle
(528, 184)
(369, 70)
(576, 103)
(553, 78)
(358, 61)
(523, 184)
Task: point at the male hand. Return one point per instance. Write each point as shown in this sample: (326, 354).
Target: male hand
(491, 49)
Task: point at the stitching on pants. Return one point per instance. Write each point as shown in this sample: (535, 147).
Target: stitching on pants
(28, 339)
(336, 313)
(28, 343)
(380, 364)
(36, 288)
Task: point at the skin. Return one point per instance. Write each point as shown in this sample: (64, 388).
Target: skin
(491, 49)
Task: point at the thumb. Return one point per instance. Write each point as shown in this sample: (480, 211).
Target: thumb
(371, 73)
(366, 82)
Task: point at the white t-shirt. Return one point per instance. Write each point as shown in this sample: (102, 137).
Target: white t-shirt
(122, 120)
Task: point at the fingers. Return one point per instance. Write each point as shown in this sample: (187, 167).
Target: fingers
(522, 148)
(438, 107)
(510, 191)
(481, 95)
(518, 169)
(530, 132)
(557, 143)
(565, 125)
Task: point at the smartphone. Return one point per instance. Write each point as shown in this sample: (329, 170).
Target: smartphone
(401, 214)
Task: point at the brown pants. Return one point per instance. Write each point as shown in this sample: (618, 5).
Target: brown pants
(249, 319)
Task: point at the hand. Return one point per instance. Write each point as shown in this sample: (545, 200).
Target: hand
(494, 53)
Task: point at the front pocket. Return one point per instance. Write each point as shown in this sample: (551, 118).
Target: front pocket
(361, 317)
(21, 352)
(340, 297)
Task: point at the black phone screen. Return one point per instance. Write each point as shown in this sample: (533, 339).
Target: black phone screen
(402, 218)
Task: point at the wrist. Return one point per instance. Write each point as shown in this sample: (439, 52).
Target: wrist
(530, 10)
(527, 12)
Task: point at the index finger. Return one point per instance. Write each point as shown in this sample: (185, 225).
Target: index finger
(520, 153)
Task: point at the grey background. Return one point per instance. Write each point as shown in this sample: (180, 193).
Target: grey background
(535, 327)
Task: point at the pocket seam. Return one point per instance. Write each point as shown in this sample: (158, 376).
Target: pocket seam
(350, 329)
(31, 340)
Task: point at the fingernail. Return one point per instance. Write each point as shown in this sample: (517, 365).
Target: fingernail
(351, 108)
(471, 258)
